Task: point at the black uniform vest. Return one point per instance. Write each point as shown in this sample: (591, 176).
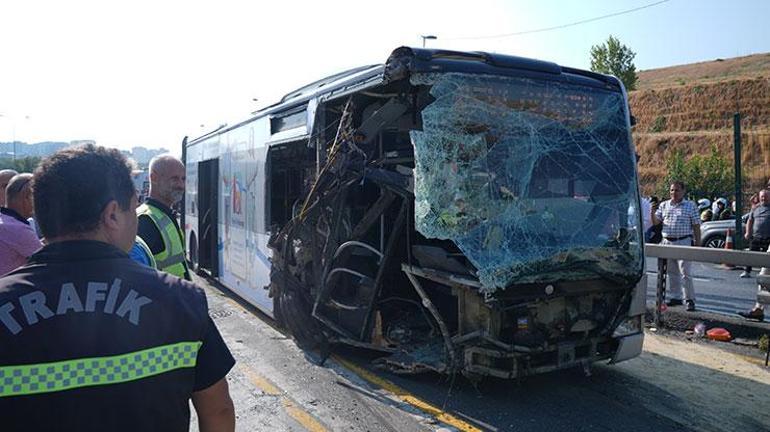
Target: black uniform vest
(89, 339)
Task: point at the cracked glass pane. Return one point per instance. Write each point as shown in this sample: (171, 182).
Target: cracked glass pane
(533, 180)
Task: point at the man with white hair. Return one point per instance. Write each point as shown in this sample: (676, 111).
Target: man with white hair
(18, 241)
(158, 225)
(5, 176)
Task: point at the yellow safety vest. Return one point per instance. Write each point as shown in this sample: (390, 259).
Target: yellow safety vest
(171, 258)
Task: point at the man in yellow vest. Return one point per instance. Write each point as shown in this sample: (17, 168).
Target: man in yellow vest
(158, 225)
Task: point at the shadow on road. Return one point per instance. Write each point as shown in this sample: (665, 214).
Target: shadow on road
(650, 393)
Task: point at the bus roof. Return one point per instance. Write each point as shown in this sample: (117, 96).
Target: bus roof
(312, 87)
(406, 60)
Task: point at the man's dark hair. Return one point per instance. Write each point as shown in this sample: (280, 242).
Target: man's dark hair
(679, 183)
(72, 187)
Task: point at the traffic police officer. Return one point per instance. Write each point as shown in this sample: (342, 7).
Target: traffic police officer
(91, 340)
(158, 225)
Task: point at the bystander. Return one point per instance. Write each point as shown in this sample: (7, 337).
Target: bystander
(681, 226)
(18, 240)
(758, 227)
(5, 176)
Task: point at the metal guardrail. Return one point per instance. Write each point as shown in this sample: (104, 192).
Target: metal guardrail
(702, 254)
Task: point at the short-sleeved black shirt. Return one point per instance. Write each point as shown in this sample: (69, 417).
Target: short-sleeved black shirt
(121, 347)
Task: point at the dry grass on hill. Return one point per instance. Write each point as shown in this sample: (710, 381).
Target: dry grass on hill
(655, 149)
(739, 68)
(702, 106)
(690, 107)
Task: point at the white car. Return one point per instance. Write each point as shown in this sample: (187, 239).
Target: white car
(714, 234)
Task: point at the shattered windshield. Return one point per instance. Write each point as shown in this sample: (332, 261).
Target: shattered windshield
(534, 180)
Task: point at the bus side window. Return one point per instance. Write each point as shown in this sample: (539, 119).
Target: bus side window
(285, 179)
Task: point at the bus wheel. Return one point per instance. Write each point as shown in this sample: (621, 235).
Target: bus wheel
(293, 311)
(277, 309)
(193, 253)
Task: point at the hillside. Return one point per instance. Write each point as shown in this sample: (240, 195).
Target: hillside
(739, 68)
(690, 107)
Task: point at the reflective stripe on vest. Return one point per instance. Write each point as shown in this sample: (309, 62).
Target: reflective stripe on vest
(171, 259)
(69, 374)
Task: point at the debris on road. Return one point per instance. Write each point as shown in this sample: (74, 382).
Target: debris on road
(699, 330)
(746, 342)
(719, 334)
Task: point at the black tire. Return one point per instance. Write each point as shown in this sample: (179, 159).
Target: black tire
(192, 247)
(277, 308)
(716, 242)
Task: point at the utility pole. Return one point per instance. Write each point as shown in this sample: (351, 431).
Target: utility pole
(13, 135)
(738, 188)
(428, 37)
(13, 131)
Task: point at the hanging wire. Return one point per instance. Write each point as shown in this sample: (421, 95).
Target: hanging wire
(558, 27)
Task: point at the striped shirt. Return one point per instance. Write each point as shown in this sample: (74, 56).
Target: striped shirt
(678, 219)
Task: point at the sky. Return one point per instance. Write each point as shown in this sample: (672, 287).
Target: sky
(147, 73)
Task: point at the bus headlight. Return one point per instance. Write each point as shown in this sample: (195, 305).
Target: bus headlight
(629, 326)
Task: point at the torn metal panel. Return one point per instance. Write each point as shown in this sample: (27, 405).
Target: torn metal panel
(392, 110)
(524, 244)
(428, 304)
(533, 180)
(417, 359)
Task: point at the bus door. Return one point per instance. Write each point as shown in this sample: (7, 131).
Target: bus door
(208, 221)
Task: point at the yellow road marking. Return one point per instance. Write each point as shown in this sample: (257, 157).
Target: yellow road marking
(310, 423)
(298, 414)
(302, 417)
(262, 383)
(406, 397)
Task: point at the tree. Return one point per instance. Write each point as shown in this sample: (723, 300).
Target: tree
(614, 58)
(705, 176)
(25, 164)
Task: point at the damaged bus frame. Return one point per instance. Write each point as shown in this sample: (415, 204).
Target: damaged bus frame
(457, 212)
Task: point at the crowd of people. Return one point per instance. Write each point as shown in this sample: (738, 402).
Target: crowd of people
(89, 335)
(677, 222)
(719, 209)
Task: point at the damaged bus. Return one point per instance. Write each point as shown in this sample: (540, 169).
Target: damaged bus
(456, 212)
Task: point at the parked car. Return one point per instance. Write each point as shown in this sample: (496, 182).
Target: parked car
(714, 234)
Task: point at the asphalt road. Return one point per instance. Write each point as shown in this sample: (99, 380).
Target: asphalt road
(674, 386)
(277, 387)
(717, 289)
